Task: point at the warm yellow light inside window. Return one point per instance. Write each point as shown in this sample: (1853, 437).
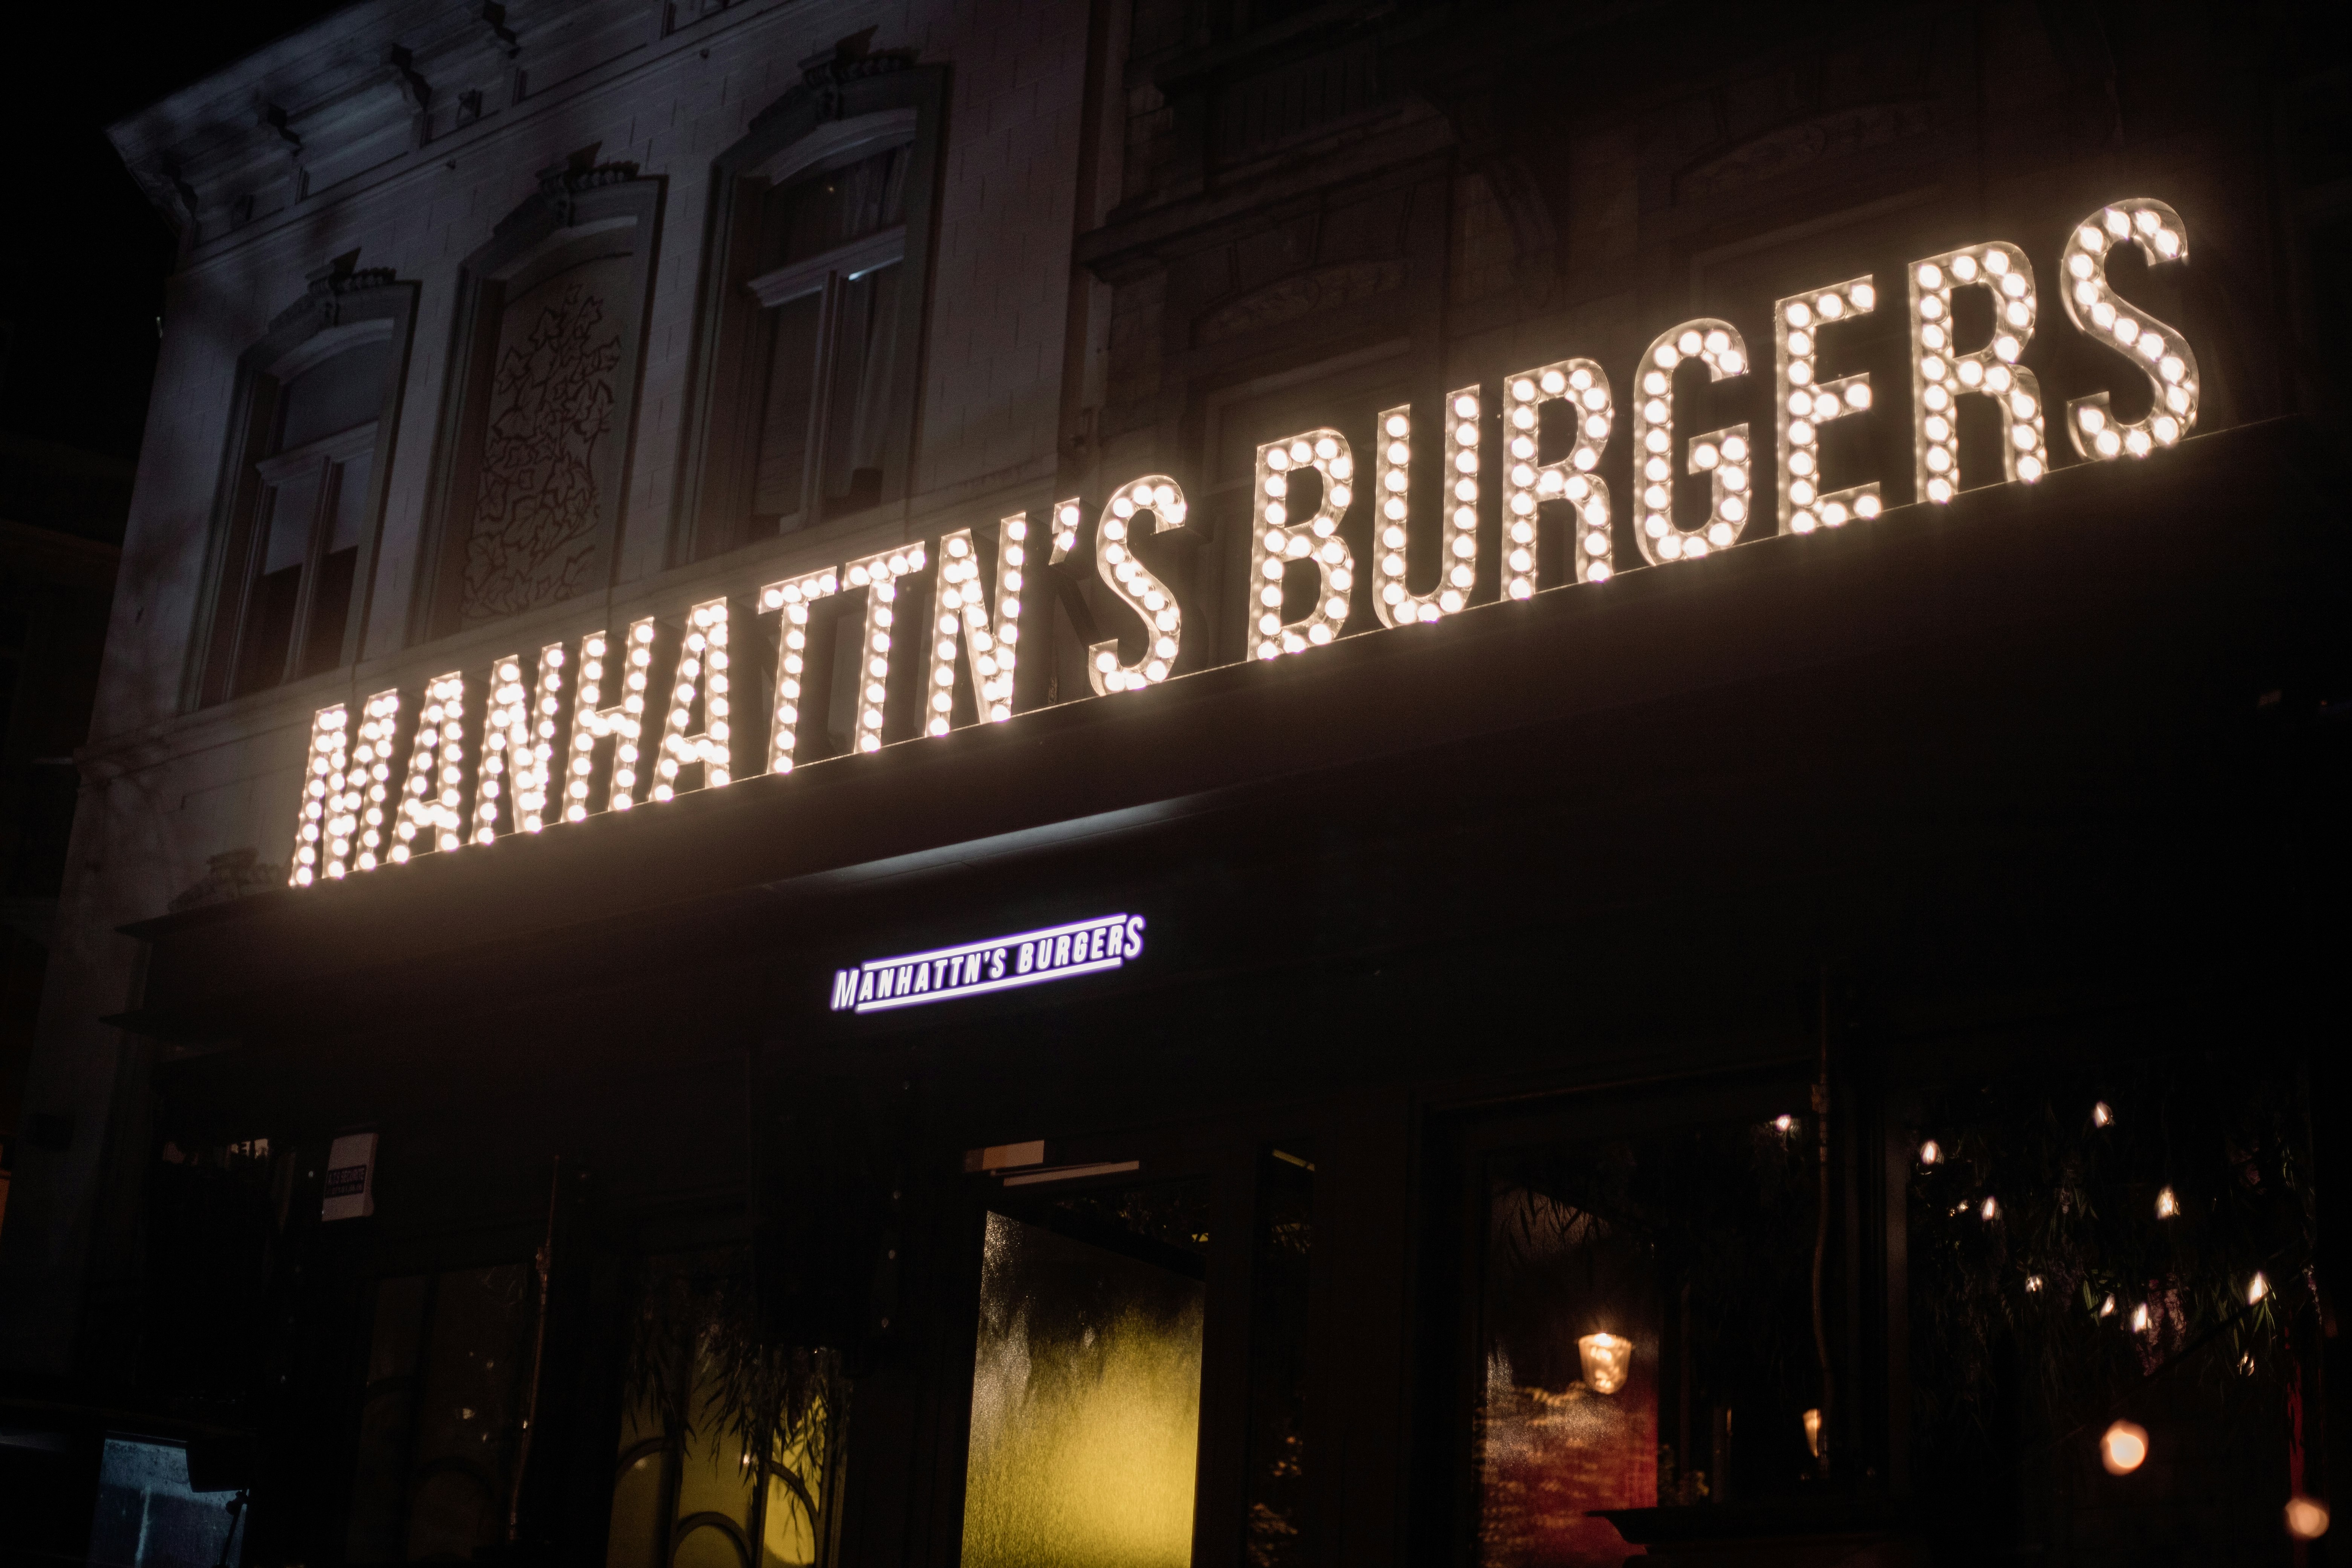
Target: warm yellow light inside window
(1085, 1408)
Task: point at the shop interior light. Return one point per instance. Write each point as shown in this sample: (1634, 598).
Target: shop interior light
(702, 661)
(622, 722)
(1393, 599)
(1162, 500)
(1608, 1361)
(2159, 352)
(430, 796)
(1722, 455)
(1276, 544)
(322, 841)
(1571, 479)
(990, 640)
(879, 575)
(789, 603)
(1806, 403)
(1941, 376)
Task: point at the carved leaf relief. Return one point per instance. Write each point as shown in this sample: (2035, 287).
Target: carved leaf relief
(545, 455)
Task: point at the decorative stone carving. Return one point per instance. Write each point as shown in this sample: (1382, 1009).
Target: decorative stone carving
(330, 286)
(1791, 147)
(1303, 294)
(536, 513)
(230, 875)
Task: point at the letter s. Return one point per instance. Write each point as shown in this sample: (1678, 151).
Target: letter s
(996, 964)
(1134, 936)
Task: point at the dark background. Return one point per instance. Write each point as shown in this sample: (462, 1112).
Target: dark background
(81, 279)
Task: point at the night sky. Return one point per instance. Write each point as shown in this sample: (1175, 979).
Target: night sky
(84, 255)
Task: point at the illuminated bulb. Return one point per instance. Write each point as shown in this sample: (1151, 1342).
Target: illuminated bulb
(1783, 1123)
(1718, 345)
(1608, 1361)
(1939, 375)
(2140, 1319)
(2123, 1448)
(2167, 1205)
(2103, 1114)
(991, 641)
(2158, 353)
(2108, 1307)
(1276, 541)
(2306, 1518)
(2257, 1287)
(1991, 1211)
(1930, 1152)
(1796, 358)
(1812, 1421)
(2033, 1284)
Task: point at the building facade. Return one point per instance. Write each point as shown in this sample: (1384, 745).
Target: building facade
(1679, 900)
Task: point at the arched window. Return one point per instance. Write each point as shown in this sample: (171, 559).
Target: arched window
(311, 438)
(815, 265)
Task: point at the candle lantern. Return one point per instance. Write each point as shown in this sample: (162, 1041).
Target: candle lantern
(1608, 1359)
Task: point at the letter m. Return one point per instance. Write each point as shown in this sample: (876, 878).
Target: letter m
(844, 989)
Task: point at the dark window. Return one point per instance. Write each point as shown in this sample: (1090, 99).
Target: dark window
(302, 497)
(832, 331)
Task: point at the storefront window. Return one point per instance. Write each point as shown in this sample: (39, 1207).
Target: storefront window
(441, 1421)
(1647, 1331)
(706, 1396)
(1085, 1398)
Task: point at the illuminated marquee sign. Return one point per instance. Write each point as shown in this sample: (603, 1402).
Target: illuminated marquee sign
(653, 714)
(999, 964)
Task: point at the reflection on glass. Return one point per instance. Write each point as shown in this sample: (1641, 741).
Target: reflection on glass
(148, 1517)
(1639, 1294)
(687, 1492)
(1279, 1526)
(1085, 1396)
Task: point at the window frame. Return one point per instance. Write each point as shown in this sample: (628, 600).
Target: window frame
(345, 308)
(839, 109)
(577, 214)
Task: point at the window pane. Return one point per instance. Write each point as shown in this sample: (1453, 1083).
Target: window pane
(331, 599)
(865, 354)
(782, 467)
(334, 395)
(830, 210)
(1086, 1394)
(287, 510)
(469, 1415)
(1646, 1333)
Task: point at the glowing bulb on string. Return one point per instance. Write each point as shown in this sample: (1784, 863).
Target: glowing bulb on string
(2033, 1284)
(1784, 1122)
(2123, 1448)
(1608, 1359)
(2167, 1205)
(1992, 1211)
(2103, 1114)
(1930, 1152)
(2257, 1287)
(2140, 1319)
(2108, 1308)
(2306, 1518)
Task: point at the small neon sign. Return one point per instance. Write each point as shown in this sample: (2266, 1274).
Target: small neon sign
(997, 963)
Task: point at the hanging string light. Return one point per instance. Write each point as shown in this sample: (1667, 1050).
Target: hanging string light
(2167, 1205)
(1930, 1152)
